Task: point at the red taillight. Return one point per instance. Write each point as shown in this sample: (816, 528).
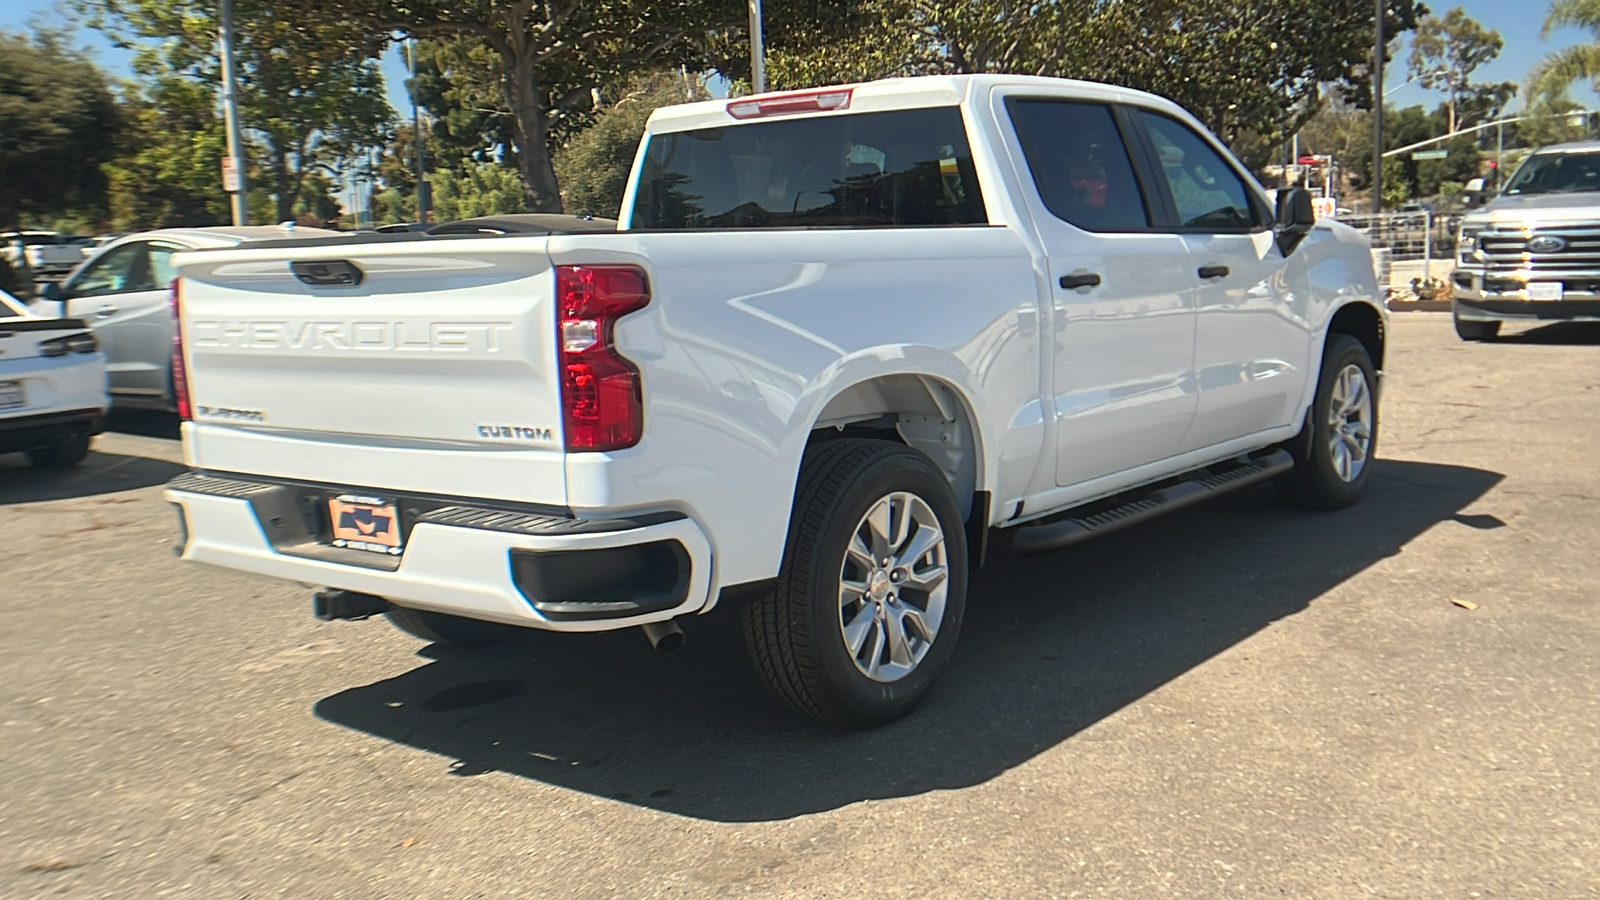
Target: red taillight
(811, 101)
(601, 401)
(180, 375)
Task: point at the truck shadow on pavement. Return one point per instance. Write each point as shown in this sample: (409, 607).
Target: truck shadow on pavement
(1568, 334)
(1050, 646)
(101, 473)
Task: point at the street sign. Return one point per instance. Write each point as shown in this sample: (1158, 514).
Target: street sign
(231, 182)
(1430, 154)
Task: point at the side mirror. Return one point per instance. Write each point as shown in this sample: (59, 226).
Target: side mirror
(1296, 216)
(54, 292)
(1474, 192)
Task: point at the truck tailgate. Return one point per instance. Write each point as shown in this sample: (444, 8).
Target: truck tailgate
(436, 373)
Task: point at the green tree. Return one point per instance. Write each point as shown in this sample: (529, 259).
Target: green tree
(307, 91)
(168, 165)
(59, 122)
(1252, 70)
(1445, 52)
(478, 189)
(1554, 74)
(1551, 118)
(551, 56)
(593, 167)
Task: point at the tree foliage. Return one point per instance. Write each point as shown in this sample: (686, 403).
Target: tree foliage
(1252, 70)
(593, 167)
(307, 92)
(167, 165)
(1556, 73)
(551, 55)
(478, 188)
(1445, 52)
(59, 122)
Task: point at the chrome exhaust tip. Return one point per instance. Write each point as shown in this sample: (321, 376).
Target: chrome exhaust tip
(665, 637)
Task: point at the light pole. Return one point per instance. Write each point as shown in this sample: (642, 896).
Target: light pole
(758, 54)
(233, 169)
(1377, 114)
(423, 203)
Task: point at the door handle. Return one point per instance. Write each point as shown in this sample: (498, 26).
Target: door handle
(105, 312)
(1214, 271)
(1080, 280)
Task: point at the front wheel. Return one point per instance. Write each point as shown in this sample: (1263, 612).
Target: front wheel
(1334, 451)
(873, 586)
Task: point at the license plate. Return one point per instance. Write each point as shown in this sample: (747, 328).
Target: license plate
(11, 395)
(1545, 290)
(364, 523)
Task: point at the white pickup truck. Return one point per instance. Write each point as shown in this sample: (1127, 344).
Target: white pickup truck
(839, 339)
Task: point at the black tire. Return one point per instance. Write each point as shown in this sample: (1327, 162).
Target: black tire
(795, 635)
(1315, 482)
(1468, 330)
(455, 631)
(63, 454)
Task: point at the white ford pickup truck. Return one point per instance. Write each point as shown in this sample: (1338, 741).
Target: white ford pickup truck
(839, 338)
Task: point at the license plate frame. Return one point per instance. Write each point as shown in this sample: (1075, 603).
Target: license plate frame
(13, 395)
(1546, 291)
(366, 524)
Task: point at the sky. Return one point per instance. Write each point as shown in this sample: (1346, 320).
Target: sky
(1516, 21)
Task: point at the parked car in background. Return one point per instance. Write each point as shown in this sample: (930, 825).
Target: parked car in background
(52, 386)
(123, 292)
(1532, 253)
(47, 254)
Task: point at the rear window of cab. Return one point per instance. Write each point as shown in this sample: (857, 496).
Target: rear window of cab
(902, 168)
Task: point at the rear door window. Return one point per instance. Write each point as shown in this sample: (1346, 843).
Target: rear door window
(1080, 164)
(905, 168)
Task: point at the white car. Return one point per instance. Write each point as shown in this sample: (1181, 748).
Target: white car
(52, 386)
(124, 292)
(838, 337)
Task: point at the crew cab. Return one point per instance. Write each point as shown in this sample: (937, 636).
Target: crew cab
(52, 386)
(1532, 254)
(839, 338)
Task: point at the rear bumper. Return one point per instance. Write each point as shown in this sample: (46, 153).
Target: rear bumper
(45, 429)
(517, 567)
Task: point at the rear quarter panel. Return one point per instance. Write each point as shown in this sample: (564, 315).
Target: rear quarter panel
(749, 334)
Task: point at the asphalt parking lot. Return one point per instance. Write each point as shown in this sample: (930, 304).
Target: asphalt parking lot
(1241, 700)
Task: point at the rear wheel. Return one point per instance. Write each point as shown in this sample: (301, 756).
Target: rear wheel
(873, 586)
(1334, 451)
(441, 628)
(1469, 330)
(63, 454)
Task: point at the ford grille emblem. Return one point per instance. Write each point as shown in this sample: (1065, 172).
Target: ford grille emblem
(1545, 243)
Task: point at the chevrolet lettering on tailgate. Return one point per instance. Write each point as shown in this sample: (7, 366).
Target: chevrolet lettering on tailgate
(425, 337)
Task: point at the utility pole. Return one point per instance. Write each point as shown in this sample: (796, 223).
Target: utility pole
(423, 200)
(1377, 115)
(758, 53)
(233, 168)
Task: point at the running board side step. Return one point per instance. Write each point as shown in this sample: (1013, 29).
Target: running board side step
(1067, 529)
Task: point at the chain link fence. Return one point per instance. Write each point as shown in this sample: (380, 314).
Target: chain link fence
(1409, 246)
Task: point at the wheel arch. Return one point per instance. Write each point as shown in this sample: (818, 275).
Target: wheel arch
(1364, 322)
(924, 411)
